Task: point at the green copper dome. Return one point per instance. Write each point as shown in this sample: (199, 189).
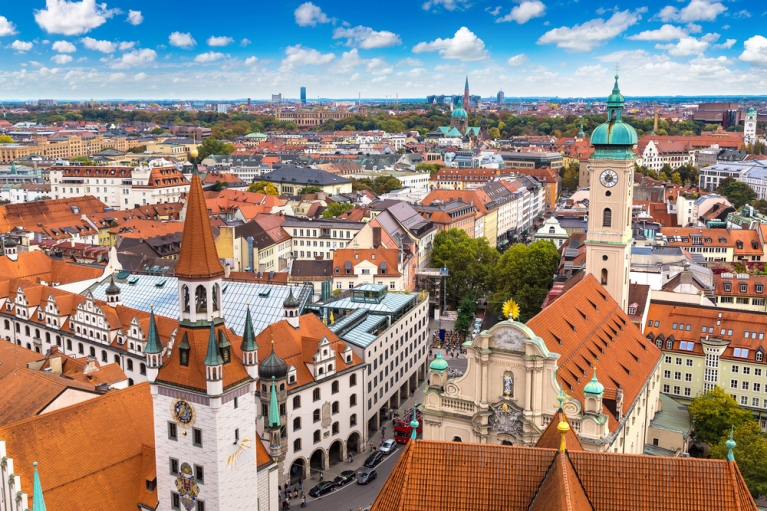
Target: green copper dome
(439, 364)
(751, 112)
(614, 132)
(594, 387)
(459, 112)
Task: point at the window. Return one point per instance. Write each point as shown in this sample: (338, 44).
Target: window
(335, 407)
(678, 361)
(677, 389)
(142, 368)
(200, 505)
(353, 380)
(669, 345)
(677, 375)
(667, 359)
(604, 277)
(744, 400)
(236, 403)
(197, 436)
(689, 362)
(175, 501)
(744, 385)
(687, 376)
(687, 392)
(316, 436)
(296, 402)
(735, 369)
(353, 400)
(667, 374)
(172, 431)
(336, 428)
(607, 218)
(173, 467)
(757, 387)
(334, 388)
(316, 395)
(733, 384)
(316, 415)
(297, 424)
(296, 445)
(759, 357)
(666, 388)
(199, 474)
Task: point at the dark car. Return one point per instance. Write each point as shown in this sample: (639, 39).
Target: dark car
(321, 489)
(344, 477)
(366, 476)
(374, 459)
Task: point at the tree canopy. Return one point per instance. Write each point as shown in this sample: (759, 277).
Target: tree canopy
(750, 454)
(466, 311)
(737, 192)
(379, 185)
(212, 146)
(715, 412)
(470, 262)
(263, 187)
(336, 209)
(309, 189)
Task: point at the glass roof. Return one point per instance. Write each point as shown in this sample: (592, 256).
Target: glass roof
(141, 291)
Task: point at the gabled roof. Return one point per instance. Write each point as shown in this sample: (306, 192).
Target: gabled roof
(551, 437)
(198, 257)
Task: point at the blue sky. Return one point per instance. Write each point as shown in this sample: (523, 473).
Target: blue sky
(229, 49)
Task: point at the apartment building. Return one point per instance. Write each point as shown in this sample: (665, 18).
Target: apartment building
(310, 118)
(353, 267)
(741, 291)
(314, 239)
(66, 147)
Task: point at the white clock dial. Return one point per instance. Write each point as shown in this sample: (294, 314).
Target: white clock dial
(608, 178)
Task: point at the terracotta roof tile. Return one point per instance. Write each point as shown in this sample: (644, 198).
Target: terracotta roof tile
(376, 256)
(198, 257)
(561, 490)
(551, 437)
(13, 356)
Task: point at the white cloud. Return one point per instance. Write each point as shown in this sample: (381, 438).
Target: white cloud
(742, 14)
(182, 40)
(494, 11)
(410, 61)
(379, 66)
(664, 33)
(21, 46)
(624, 55)
(61, 59)
(517, 60)
(726, 45)
(367, 38)
(250, 61)
(135, 18)
(297, 56)
(117, 77)
(348, 61)
(6, 27)
(524, 12)
(755, 51)
(135, 58)
(308, 15)
(220, 40)
(64, 47)
(464, 46)
(450, 5)
(592, 33)
(685, 47)
(416, 72)
(102, 46)
(710, 38)
(210, 56)
(245, 42)
(694, 28)
(696, 10)
(127, 45)
(140, 76)
(44, 71)
(72, 18)
(590, 70)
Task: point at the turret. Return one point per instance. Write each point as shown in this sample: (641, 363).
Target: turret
(438, 371)
(153, 349)
(249, 347)
(214, 366)
(113, 292)
(292, 307)
(593, 392)
(275, 443)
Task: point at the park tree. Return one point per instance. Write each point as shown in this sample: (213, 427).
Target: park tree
(337, 209)
(676, 178)
(750, 453)
(263, 187)
(470, 262)
(157, 131)
(715, 412)
(494, 133)
(663, 176)
(737, 192)
(760, 205)
(82, 160)
(466, 312)
(525, 273)
(212, 146)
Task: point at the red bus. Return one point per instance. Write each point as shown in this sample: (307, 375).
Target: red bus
(403, 430)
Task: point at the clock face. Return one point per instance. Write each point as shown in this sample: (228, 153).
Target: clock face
(608, 178)
(182, 412)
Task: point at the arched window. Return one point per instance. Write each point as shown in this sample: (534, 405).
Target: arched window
(215, 297)
(551, 230)
(604, 276)
(297, 402)
(330, 367)
(759, 356)
(296, 445)
(335, 407)
(659, 343)
(26, 331)
(185, 297)
(353, 400)
(353, 380)
(316, 415)
(48, 337)
(201, 299)
(93, 351)
(607, 218)
(334, 387)
(296, 423)
(353, 420)
(457, 439)
(316, 394)
(669, 344)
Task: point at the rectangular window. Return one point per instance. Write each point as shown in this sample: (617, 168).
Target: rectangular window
(666, 388)
(197, 437)
(744, 400)
(175, 501)
(689, 362)
(733, 384)
(173, 467)
(687, 376)
(199, 474)
(172, 431)
(677, 390)
(755, 402)
(668, 359)
(744, 385)
(687, 392)
(667, 374)
(678, 361)
(677, 375)
(200, 505)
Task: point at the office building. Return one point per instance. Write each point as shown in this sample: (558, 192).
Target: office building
(303, 95)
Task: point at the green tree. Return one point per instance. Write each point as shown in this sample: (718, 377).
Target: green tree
(663, 176)
(337, 209)
(263, 187)
(470, 262)
(737, 192)
(137, 149)
(760, 205)
(676, 178)
(5, 139)
(571, 177)
(750, 454)
(309, 189)
(466, 311)
(157, 131)
(431, 168)
(526, 274)
(212, 146)
(715, 412)
(494, 133)
(83, 160)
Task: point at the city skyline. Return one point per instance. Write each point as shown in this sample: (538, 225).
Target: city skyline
(527, 48)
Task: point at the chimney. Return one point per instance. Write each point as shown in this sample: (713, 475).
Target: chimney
(376, 237)
(91, 366)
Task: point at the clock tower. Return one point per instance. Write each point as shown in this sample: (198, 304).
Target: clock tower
(608, 242)
(749, 127)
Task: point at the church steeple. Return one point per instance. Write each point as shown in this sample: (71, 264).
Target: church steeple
(466, 96)
(38, 501)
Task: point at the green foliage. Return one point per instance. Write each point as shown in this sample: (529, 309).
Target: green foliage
(760, 205)
(309, 189)
(137, 149)
(570, 177)
(494, 133)
(715, 412)
(263, 187)
(337, 209)
(5, 139)
(157, 131)
(431, 168)
(466, 311)
(470, 262)
(525, 273)
(220, 185)
(82, 160)
(750, 454)
(738, 193)
(212, 146)
(379, 185)
(676, 178)
(663, 176)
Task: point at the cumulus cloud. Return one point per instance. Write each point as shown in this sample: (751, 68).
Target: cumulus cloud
(416, 72)
(450, 5)
(589, 35)
(210, 56)
(755, 51)
(64, 47)
(696, 10)
(296, 56)
(140, 76)
(726, 45)
(72, 18)
(347, 62)
(308, 15)
(590, 70)
(524, 12)
(664, 33)
(379, 66)
(6, 27)
(250, 61)
(685, 47)
(182, 40)
(367, 38)
(410, 61)
(464, 46)
(127, 45)
(135, 58)
(517, 60)
(61, 59)
(102, 46)
(220, 40)
(135, 18)
(245, 42)
(21, 46)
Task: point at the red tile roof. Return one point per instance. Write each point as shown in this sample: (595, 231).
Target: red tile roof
(198, 257)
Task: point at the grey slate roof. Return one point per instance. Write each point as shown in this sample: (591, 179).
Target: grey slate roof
(303, 176)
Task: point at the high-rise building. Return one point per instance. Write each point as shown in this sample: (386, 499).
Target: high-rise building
(303, 95)
(277, 98)
(501, 98)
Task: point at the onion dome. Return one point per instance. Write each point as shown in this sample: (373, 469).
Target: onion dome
(439, 364)
(459, 112)
(290, 302)
(273, 367)
(112, 289)
(614, 132)
(593, 387)
(8, 242)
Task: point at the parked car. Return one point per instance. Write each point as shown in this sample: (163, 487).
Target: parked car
(366, 476)
(344, 477)
(374, 459)
(321, 489)
(388, 446)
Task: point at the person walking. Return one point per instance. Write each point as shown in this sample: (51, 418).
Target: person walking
(321, 477)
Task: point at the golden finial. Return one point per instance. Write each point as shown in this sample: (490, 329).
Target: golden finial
(193, 152)
(563, 427)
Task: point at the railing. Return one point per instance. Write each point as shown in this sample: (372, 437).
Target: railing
(462, 406)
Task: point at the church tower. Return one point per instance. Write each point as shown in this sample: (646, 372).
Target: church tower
(608, 242)
(466, 96)
(749, 128)
(203, 386)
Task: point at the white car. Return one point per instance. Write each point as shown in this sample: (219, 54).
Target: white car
(388, 447)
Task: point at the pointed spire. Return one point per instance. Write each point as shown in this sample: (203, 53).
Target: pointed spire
(466, 87)
(38, 502)
(290, 302)
(153, 344)
(213, 357)
(113, 289)
(731, 445)
(414, 425)
(274, 411)
(249, 335)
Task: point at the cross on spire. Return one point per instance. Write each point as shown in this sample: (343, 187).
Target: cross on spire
(617, 68)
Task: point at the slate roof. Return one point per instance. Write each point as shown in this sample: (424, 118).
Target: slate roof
(303, 176)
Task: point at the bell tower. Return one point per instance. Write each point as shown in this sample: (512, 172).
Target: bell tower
(749, 127)
(609, 238)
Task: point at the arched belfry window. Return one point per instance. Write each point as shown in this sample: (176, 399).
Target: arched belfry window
(604, 276)
(215, 296)
(185, 297)
(607, 218)
(201, 299)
